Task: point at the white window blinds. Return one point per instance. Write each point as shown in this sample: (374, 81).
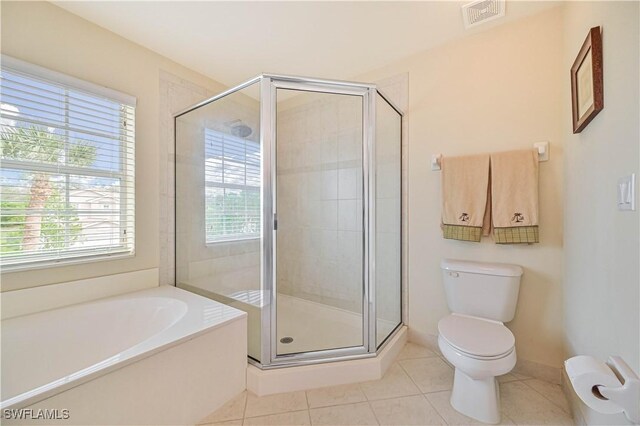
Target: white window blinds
(66, 168)
(232, 187)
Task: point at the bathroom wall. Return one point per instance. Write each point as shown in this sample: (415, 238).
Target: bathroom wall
(494, 91)
(46, 35)
(601, 276)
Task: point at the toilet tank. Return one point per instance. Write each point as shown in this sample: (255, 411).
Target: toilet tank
(485, 290)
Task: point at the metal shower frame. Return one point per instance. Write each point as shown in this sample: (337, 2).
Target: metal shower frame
(268, 84)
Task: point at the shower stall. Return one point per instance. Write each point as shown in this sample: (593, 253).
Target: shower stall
(288, 206)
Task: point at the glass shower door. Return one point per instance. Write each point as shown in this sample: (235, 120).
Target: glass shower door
(320, 240)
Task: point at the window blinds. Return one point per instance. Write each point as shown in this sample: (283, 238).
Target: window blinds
(232, 187)
(66, 169)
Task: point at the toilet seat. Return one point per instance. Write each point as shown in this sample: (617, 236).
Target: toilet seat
(477, 338)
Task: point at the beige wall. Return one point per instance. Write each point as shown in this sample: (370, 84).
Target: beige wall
(601, 280)
(48, 36)
(495, 91)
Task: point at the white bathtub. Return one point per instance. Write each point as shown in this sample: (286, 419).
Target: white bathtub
(154, 356)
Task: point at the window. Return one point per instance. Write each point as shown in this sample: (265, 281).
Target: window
(232, 187)
(66, 168)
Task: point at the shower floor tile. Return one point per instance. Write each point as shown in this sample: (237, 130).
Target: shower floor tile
(410, 393)
(324, 326)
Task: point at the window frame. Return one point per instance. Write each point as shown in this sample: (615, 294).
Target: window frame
(125, 173)
(225, 239)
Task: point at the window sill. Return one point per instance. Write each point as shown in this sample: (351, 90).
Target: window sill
(79, 260)
(231, 241)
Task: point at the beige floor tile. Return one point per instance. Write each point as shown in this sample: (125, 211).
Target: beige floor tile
(408, 410)
(232, 410)
(550, 391)
(274, 404)
(430, 374)
(440, 401)
(350, 414)
(335, 395)
(395, 383)
(525, 406)
(519, 376)
(237, 422)
(446, 361)
(509, 377)
(411, 351)
(297, 418)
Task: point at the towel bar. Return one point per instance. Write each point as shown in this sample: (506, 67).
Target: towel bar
(542, 147)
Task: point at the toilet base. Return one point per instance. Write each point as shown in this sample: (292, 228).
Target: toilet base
(478, 399)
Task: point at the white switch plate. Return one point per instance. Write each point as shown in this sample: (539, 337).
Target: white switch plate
(543, 150)
(627, 192)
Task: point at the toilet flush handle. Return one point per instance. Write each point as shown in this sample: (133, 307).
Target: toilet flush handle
(454, 274)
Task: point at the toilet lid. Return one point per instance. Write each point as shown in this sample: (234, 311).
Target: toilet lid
(476, 336)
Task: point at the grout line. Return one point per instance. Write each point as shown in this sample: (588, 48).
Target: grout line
(410, 378)
(246, 402)
(391, 397)
(437, 391)
(277, 413)
(374, 412)
(424, 396)
(545, 396)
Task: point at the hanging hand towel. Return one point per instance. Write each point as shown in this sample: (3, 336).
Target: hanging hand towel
(465, 197)
(514, 195)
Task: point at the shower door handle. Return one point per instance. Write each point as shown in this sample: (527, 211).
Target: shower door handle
(275, 222)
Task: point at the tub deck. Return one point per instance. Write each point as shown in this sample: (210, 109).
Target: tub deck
(47, 353)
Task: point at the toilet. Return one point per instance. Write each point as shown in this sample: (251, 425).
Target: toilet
(473, 338)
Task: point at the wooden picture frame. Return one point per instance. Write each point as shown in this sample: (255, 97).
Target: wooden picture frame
(587, 96)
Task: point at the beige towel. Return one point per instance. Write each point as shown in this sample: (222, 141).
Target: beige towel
(514, 195)
(465, 197)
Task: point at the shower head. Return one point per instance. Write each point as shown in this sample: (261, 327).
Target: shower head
(241, 130)
(238, 128)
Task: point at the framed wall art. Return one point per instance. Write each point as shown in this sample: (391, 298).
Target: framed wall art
(587, 96)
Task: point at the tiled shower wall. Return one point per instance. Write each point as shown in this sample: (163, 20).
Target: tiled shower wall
(319, 172)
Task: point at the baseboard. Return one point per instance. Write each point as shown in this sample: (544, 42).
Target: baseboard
(427, 340)
(36, 299)
(539, 371)
(523, 366)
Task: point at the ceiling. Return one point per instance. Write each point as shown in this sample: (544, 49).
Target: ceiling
(233, 41)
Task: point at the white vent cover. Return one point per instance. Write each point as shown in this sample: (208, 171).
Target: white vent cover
(478, 12)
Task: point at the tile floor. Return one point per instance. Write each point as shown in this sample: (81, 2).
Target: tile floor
(414, 391)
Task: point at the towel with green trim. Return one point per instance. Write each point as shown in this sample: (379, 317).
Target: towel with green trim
(514, 197)
(465, 197)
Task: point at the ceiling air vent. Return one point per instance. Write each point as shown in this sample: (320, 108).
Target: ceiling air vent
(478, 12)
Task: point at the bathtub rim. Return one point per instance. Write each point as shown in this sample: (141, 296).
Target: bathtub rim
(141, 350)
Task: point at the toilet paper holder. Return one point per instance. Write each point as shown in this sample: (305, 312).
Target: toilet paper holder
(626, 396)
